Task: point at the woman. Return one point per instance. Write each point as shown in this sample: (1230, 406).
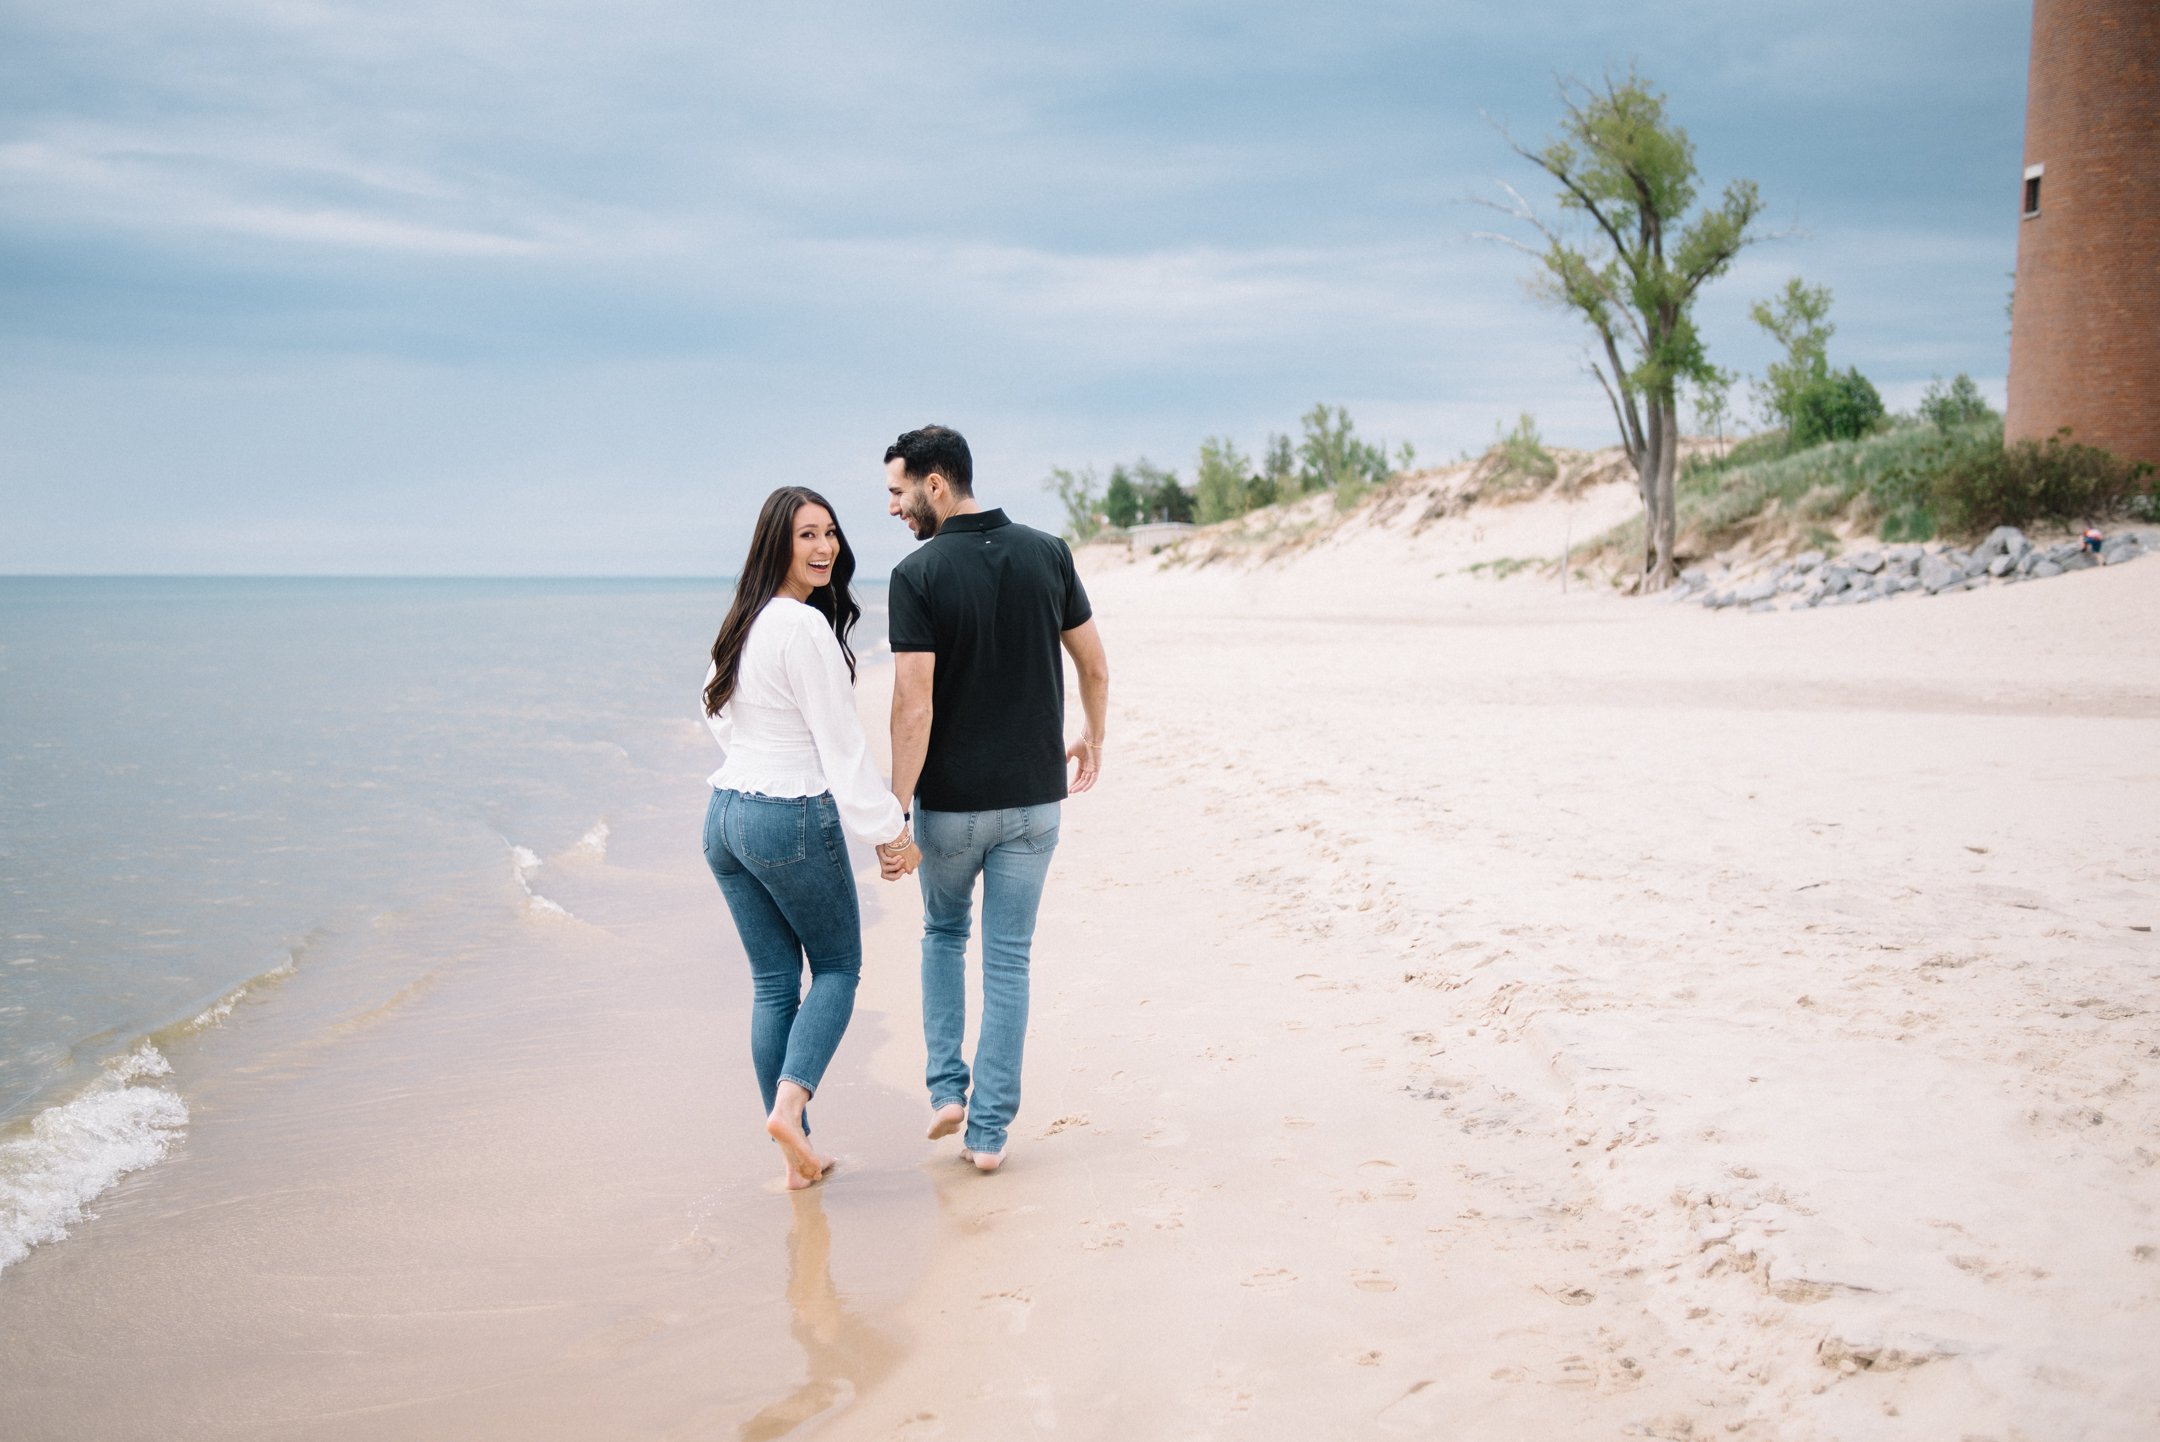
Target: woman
(796, 770)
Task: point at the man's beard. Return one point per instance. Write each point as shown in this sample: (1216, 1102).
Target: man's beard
(922, 520)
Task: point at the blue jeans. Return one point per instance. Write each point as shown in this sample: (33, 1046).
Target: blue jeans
(782, 864)
(1010, 851)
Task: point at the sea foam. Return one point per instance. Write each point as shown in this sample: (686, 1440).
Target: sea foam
(120, 1123)
(525, 861)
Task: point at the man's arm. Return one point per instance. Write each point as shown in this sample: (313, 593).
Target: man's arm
(912, 671)
(1084, 644)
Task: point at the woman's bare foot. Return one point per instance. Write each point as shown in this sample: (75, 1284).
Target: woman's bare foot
(806, 1165)
(946, 1120)
(984, 1161)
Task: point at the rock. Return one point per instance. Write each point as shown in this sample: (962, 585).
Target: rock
(1755, 592)
(2120, 548)
(2046, 569)
(2002, 565)
(1694, 576)
(1807, 561)
(1761, 606)
(1868, 562)
(1906, 557)
(1791, 581)
(1974, 583)
(2080, 560)
(2003, 541)
(1836, 578)
(1938, 574)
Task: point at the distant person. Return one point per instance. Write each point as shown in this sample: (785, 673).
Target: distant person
(978, 615)
(795, 771)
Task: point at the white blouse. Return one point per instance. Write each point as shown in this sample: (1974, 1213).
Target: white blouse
(790, 727)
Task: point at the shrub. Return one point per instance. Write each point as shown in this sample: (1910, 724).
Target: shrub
(2052, 480)
(1121, 500)
(1335, 458)
(1522, 454)
(1835, 406)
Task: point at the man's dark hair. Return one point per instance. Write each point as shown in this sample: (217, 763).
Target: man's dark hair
(935, 448)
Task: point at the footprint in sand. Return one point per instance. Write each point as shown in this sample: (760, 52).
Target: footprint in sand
(1379, 1181)
(1271, 1279)
(1014, 1304)
(1575, 1372)
(1166, 1216)
(1568, 1296)
(920, 1428)
(1104, 1236)
(1162, 1133)
(1372, 1282)
(1066, 1123)
(1296, 1124)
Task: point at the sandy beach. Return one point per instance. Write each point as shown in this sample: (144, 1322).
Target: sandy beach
(1462, 1011)
(1516, 1015)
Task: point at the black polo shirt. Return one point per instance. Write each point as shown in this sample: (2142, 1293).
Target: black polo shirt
(990, 599)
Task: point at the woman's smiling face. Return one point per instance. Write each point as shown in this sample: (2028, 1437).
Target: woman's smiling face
(817, 544)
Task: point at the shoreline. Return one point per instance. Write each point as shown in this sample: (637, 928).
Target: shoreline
(1536, 1015)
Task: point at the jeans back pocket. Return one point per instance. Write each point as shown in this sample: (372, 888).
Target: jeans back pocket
(769, 830)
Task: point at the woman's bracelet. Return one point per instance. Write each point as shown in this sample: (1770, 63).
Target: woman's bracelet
(897, 845)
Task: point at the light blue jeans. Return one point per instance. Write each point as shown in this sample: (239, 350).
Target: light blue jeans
(1010, 851)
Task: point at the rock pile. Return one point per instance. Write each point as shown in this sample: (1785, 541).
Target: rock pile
(1813, 579)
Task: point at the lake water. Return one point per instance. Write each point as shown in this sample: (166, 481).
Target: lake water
(210, 786)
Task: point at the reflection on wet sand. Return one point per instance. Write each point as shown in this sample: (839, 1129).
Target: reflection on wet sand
(846, 1355)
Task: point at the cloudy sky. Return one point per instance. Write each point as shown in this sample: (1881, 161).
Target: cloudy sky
(535, 287)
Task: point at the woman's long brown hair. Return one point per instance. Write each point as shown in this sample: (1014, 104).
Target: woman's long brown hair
(772, 551)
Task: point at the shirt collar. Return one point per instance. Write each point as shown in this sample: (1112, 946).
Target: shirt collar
(974, 521)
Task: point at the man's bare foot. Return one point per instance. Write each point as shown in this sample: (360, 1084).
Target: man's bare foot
(946, 1120)
(984, 1161)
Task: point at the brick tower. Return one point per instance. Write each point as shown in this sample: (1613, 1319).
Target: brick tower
(2085, 325)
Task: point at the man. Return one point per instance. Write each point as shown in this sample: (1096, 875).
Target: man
(978, 616)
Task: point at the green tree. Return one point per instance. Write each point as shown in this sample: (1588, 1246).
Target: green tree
(1332, 457)
(1710, 397)
(1957, 404)
(1075, 490)
(1838, 406)
(1798, 319)
(1277, 479)
(1161, 497)
(1629, 173)
(1221, 488)
(1121, 500)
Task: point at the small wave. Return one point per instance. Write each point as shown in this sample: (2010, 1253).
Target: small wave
(218, 1010)
(120, 1123)
(524, 861)
(594, 842)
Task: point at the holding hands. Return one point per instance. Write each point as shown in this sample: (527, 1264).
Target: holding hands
(899, 856)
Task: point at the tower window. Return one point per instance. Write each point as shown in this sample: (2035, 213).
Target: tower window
(2032, 190)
